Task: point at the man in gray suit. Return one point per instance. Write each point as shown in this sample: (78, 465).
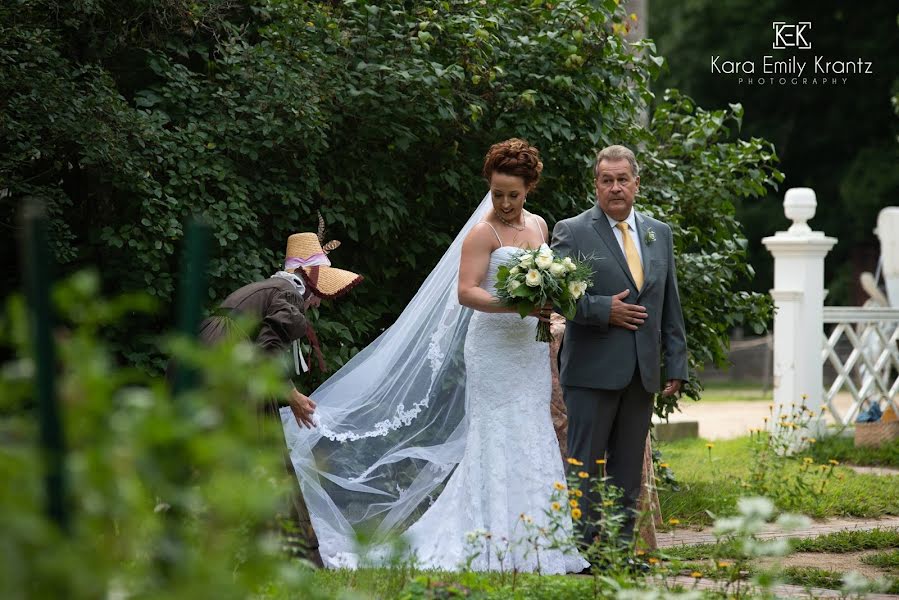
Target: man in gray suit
(630, 318)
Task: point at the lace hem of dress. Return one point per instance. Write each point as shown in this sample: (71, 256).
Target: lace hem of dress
(403, 418)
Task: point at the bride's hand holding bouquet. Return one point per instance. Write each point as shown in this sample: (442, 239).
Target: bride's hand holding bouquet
(535, 278)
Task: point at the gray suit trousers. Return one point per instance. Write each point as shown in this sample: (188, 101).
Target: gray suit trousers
(610, 424)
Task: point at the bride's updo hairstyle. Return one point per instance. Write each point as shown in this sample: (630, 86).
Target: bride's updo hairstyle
(514, 157)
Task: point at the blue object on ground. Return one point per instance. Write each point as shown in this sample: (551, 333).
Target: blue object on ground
(870, 414)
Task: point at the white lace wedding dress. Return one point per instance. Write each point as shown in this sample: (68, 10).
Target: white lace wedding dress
(504, 483)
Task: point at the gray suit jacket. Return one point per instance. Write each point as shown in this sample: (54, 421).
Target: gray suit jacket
(596, 355)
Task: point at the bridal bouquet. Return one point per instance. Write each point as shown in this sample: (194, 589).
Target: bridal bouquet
(533, 278)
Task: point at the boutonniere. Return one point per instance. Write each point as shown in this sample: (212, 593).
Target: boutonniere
(649, 237)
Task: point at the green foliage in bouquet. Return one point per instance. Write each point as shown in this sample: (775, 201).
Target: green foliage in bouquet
(537, 277)
(169, 497)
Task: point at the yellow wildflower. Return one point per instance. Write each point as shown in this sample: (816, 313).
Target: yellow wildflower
(663, 465)
(578, 493)
(556, 506)
(653, 560)
(559, 486)
(723, 564)
(834, 462)
(673, 521)
(804, 396)
(641, 552)
(710, 445)
(575, 513)
(583, 474)
(575, 462)
(807, 460)
(812, 440)
(607, 503)
(695, 574)
(572, 503)
(600, 461)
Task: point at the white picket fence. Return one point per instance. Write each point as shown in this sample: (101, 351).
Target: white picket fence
(867, 366)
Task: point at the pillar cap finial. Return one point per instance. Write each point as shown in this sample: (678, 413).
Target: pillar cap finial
(799, 206)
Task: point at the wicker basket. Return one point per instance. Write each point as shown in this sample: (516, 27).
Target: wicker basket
(875, 434)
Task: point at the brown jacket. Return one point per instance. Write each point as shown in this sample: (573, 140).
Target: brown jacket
(276, 308)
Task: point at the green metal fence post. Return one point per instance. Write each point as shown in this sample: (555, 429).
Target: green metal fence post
(37, 263)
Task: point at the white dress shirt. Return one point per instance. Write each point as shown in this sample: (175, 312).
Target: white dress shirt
(631, 221)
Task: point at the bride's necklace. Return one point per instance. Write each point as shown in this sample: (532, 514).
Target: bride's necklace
(509, 223)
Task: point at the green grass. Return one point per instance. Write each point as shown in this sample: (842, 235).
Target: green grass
(725, 391)
(888, 560)
(712, 485)
(391, 583)
(839, 542)
(843, 449)
(822, 578)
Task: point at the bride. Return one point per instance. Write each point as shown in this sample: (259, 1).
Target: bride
(439, 432)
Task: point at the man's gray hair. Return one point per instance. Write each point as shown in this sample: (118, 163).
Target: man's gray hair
(616, 153)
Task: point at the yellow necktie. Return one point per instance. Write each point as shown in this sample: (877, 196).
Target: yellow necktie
(631, 254)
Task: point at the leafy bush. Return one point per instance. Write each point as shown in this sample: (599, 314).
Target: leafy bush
(169, 498)
(128, 117)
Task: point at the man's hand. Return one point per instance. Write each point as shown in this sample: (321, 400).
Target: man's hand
(629, 316)
(543, 313)
(672, 387)
(302, 408)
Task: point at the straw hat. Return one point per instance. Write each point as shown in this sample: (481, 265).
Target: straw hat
(305, 253)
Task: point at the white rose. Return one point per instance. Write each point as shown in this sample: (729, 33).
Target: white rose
(557, 269)
(569, 264)
(577, 288)
(526, 262)
(545, 249)
(513, 285)
(533, 278)
(544, 260)
(514, 271)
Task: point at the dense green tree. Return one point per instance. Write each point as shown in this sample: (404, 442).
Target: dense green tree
(130, 117)
(838, 139)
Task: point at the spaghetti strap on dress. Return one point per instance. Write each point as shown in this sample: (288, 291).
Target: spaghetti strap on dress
(498, 239)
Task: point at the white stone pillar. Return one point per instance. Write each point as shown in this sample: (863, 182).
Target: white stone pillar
(799, 301)
(888, 233)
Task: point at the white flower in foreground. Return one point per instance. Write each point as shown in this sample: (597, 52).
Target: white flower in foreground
(533, 278)
(756, 508)
(544, 261)
(545, 249)
(526, 262)
(557, 269)
(856, 583)
(514, 271)
(569, 264)
(513, 285)
(791, 522)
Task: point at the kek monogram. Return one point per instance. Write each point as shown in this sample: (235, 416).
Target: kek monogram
(791, 35)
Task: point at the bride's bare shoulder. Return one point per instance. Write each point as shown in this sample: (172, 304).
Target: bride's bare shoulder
(541, 222)
(481, 236)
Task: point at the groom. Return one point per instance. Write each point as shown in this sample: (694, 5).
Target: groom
(627, 322)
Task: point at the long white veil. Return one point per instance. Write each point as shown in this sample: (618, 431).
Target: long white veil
(391, 423)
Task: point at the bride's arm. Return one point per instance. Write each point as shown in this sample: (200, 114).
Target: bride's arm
(473, 265)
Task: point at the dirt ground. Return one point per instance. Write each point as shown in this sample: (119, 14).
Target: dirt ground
(840, 563)
(728, 420)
